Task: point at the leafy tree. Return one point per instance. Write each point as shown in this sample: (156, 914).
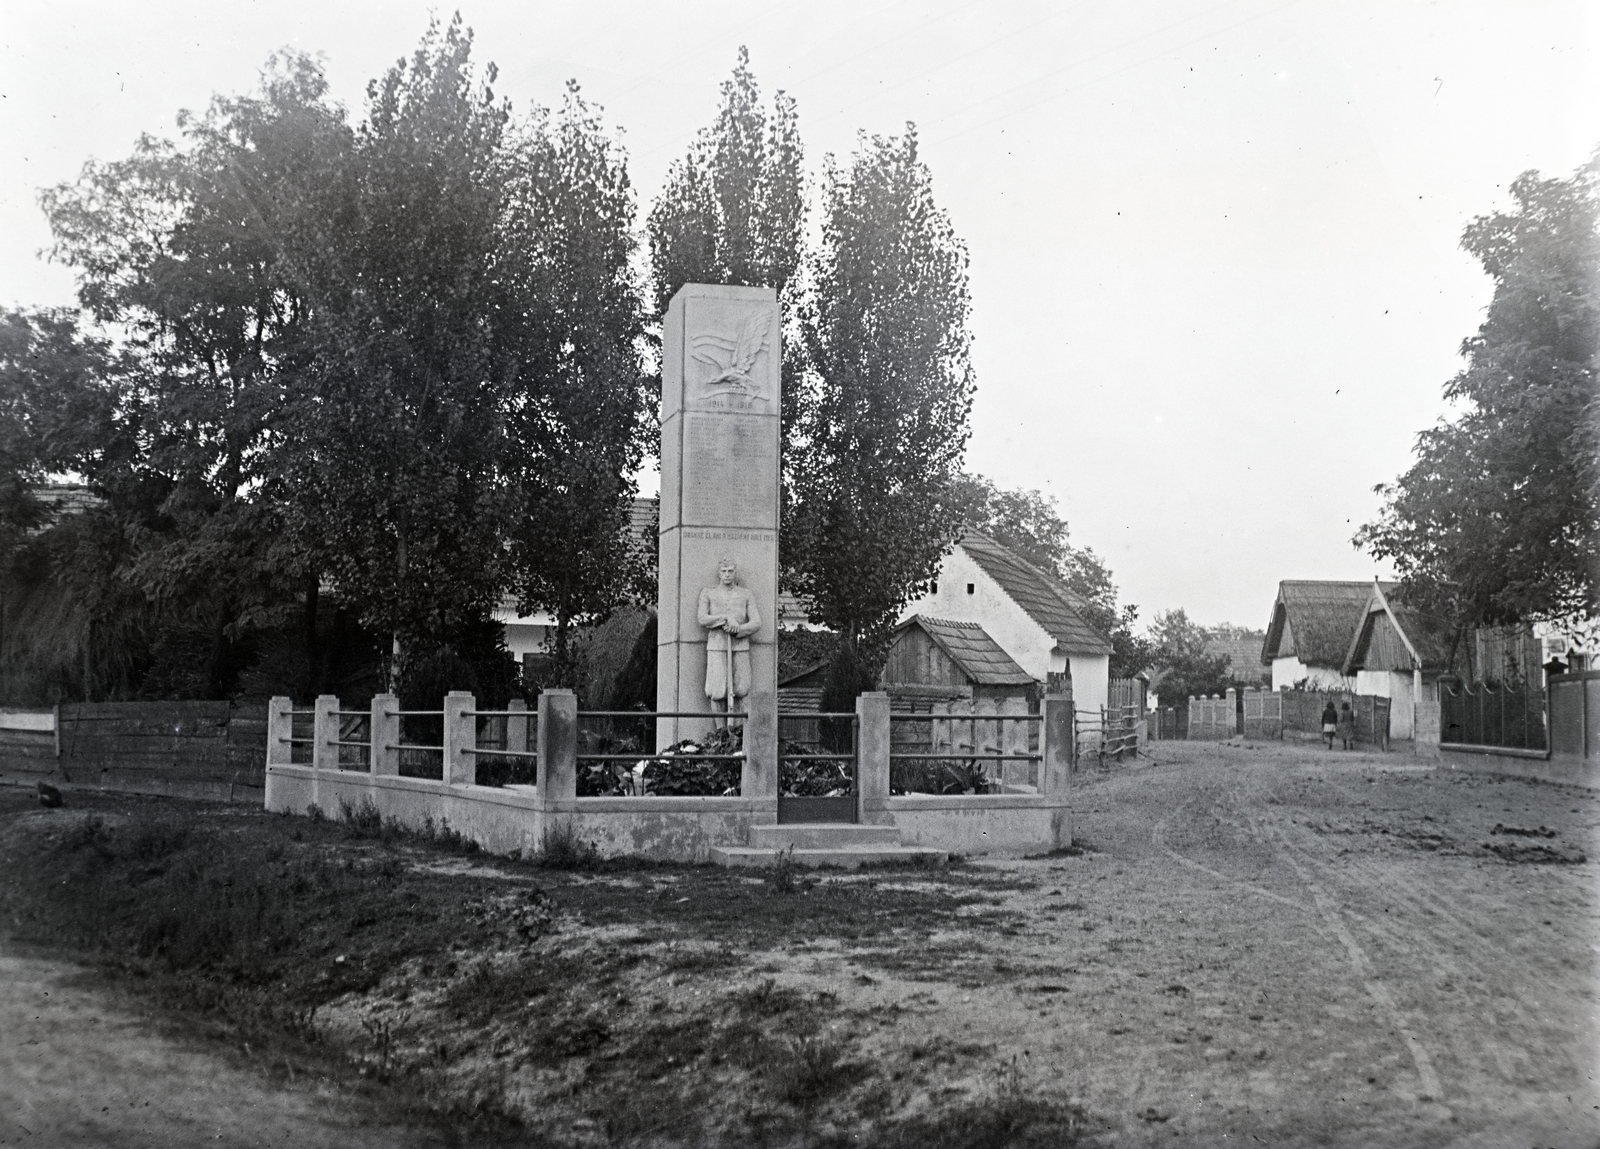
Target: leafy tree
(178, 248)
(1495, 522)
(579, 410)
(397, 358)
(57, 394)
(1180, 648)
(393, 432)
(881, 413)
(733, 209)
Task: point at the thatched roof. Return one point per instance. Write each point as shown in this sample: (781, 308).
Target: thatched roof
(1041, 595)
(1425, 640)
(1314, 620)
(969, 646)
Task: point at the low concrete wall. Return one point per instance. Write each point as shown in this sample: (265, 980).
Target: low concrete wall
(1571, 771)
(499, 819)
(502, 819)
(668, 829)
(520, 818)
(1005, 825)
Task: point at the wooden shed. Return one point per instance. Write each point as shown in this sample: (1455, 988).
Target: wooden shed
(938, 659)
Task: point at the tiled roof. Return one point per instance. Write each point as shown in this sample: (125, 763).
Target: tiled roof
(971, 648)
(1045, 598)
(1322, 614)
(792, 610)
(1244, 656)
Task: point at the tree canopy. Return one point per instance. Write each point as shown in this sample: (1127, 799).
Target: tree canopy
(397, 358)
(1494, 524)
(1180, 649)
(882, 408)
(733, 209)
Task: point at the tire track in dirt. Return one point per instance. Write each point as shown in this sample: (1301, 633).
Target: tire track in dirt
(1157, 839)
(1271, 836)
(1374, 985)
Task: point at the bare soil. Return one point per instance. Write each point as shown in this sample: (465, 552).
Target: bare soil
(1254, 944)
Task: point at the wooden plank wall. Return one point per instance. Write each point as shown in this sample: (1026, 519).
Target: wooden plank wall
(211, 750)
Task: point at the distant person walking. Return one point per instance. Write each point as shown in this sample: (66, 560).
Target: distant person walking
(1347, 726)
(1330, 722)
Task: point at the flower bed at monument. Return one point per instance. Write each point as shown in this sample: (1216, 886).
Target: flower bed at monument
(708, 768)
(931, 776)
(803, 775)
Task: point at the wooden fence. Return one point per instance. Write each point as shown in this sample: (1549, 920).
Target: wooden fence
(212, 750)
(1269, 714)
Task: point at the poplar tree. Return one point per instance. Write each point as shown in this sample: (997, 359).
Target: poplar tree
(881, 411)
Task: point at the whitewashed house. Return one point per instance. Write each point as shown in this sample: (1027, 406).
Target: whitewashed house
(1312, 624)
(1396, 654)
(1028, 613)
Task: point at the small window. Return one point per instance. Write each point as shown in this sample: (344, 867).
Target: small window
(971, 589)
(935, 588)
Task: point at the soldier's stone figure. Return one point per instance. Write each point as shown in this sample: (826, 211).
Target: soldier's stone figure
(728, 612)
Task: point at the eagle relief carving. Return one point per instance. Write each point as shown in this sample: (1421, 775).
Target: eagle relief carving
(727, 363)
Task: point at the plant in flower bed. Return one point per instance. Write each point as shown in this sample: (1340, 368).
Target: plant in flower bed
(704, 767)
(935, 776)
(803, 775)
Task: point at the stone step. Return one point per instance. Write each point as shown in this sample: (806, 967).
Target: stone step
(752, 857)
(822, 836)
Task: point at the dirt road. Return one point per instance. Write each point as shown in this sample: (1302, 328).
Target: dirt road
(1315, 948)
(81, 1066)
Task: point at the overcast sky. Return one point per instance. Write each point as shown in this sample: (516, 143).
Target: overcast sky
(1215, 275)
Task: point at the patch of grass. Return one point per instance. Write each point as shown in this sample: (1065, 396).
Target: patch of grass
(1008, 1120)
(807, 1070)
(765, 999)
(562, 849)
(364, 820)
(781, 877)
(328, 944)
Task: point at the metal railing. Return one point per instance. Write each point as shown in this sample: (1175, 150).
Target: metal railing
(1508, 716)
(925, 767)
(674, 772)
(804, 772)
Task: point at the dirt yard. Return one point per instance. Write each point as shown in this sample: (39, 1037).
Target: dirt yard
(1273, 945)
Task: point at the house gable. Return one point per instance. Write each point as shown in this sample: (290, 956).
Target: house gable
(1043, 596)
(1314, 621)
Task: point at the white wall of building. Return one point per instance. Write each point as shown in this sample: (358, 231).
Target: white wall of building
(1028, 643)
(1031, 646)
(525, 633)
(1091, 681)
(1288, 670)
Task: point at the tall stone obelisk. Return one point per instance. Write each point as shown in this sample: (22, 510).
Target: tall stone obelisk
(720, 442)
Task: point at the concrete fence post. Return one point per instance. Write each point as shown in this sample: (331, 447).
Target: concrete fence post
(1231, 723)
(873, 743)
(325, 733)
(384, 729)
(758, 777)
(460, 739)
(280, 728)
(558, 749)
(517, 725)
(1057, 743)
